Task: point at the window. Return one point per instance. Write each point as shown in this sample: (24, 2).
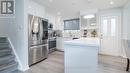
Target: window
(105, 26)
(72, 24)
(113, 27)
(109, 26)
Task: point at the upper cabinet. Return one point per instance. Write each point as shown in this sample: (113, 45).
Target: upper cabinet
(58, 23)
(89, 26)
(88, 19)
(88, 22)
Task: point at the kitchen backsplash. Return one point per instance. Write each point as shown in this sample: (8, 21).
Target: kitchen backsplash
(72, 33)
(76, 33)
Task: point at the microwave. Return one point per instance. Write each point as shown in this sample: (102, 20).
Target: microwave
(50, 26)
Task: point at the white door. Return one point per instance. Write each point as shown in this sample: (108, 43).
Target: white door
(110, 35)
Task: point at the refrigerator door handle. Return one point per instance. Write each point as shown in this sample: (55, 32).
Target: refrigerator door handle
(39, 46)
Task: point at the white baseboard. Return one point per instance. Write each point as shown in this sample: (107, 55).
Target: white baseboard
(112, 55)
(23, 68)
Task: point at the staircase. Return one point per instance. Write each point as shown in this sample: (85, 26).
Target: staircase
(8, 63)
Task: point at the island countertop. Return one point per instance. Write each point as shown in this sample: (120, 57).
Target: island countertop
(81, 55)
(84, 42)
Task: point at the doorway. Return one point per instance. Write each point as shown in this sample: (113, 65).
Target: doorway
(110, 35)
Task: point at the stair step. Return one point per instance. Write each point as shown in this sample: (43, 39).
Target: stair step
(16, 71)
(3, 45)
(5, 52)
(6, 47)
(9, 67)
(3, 39)
(6, 59)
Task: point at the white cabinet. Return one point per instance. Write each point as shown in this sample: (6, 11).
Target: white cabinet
(81, 56)
(90, 25)
(59, 24)
(60, 44)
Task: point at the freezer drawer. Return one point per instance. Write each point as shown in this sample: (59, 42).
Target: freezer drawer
(37, 53)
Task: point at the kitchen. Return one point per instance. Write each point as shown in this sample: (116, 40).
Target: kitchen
(70, 28)
(65, 36)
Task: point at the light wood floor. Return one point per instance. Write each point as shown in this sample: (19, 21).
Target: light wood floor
(110, 64)
(55, 64)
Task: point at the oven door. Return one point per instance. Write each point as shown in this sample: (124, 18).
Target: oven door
(52, 45)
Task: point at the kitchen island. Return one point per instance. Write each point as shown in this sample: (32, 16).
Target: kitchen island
(81, 55)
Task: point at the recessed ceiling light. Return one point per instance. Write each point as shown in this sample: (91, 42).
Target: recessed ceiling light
(58, 13)
(89, 16)
(89, 0)
(111, 2)
(50, 0)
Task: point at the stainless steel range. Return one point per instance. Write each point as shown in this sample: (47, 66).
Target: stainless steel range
(38, 39)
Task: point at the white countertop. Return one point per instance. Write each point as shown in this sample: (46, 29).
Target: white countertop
(84, 42)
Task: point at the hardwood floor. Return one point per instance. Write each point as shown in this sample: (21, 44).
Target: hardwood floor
(55, 64)
(110, 64)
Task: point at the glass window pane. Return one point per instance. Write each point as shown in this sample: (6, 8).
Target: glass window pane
(72, 24)
(113, 27)
(105, 25)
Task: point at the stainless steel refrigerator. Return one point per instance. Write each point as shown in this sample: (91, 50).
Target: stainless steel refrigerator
(38, 39)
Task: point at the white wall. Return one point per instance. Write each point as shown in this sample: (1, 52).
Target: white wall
(4, 26)
(36, 9)
(17, 33)
(126, 22)
(50, 17)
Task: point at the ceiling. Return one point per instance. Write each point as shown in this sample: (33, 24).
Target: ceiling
(71, 8)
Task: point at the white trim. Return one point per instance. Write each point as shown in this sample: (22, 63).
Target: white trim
(23, 68)
(20, 66)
